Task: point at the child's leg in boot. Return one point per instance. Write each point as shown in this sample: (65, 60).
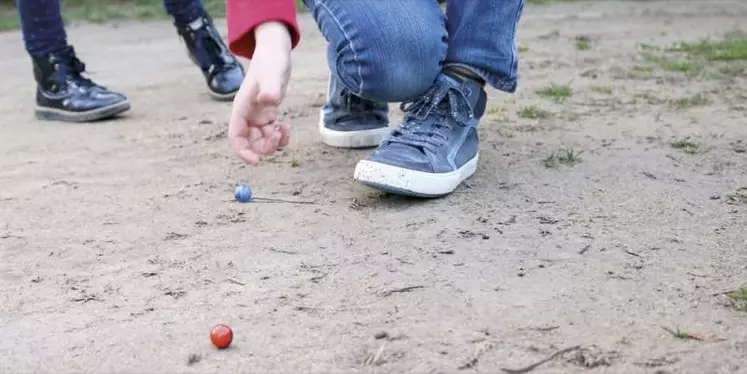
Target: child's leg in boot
(379, 52)
(62, 93)
(436, 148)
(222, 71)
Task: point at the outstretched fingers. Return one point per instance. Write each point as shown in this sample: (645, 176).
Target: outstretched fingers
(285, 135)
(241, 147)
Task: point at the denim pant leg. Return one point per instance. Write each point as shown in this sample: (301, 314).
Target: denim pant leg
(42, 26)
(386, 51)
(482, 38)
(184, 11)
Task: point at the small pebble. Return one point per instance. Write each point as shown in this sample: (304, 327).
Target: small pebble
(193, 358)
(243, 193)
(381, 335)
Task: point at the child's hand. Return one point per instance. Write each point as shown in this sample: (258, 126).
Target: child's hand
(252, 129)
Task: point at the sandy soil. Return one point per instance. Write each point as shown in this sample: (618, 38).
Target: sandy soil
(121, 246)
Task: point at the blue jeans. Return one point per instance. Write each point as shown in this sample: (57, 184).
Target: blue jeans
(44, 30)
(393, 50)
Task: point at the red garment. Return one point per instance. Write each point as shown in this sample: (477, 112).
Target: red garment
(243, 16)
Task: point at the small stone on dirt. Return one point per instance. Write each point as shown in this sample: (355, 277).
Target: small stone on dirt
(381, 335)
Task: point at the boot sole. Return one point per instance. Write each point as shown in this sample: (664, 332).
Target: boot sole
(50, 114)
(222, 97)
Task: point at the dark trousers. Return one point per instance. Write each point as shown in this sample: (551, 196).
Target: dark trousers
(44, 30)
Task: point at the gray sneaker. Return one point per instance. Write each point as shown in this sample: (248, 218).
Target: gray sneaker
(435, 148)
(348, 121)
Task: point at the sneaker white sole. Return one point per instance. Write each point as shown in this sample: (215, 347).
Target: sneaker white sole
(351, 139)
(402, 181)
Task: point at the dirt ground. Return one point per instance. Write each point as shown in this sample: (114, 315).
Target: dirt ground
(584, 228)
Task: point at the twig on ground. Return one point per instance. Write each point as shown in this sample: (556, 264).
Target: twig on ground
(86, 298)
(631, 252)
(696, 275)
(684, 335)
(273, 249)
(234, 281)
(373, 360)
(584, 249)
(544, 329)
(535, 365)
(272, 200)
(318, 278)
(401, 290)
(675, 159)
(313, 267)
(726, 292)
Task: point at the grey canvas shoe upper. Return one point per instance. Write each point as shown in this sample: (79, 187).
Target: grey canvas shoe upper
(349, 121)
(436, 146)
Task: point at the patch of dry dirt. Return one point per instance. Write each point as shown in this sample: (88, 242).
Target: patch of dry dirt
(121, 246)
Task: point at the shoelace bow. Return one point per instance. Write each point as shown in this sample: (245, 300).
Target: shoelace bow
(441, 104)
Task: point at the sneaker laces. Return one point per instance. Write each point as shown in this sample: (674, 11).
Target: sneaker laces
(445, 104)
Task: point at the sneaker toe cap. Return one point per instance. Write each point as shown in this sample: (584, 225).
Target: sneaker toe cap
(403, 156)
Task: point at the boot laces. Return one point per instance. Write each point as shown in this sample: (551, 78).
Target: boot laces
(68, 68)
(210, 51)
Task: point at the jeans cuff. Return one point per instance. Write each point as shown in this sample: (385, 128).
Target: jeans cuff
(507, 85)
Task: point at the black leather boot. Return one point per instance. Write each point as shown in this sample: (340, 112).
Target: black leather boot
(206, 49)
(63, 94)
